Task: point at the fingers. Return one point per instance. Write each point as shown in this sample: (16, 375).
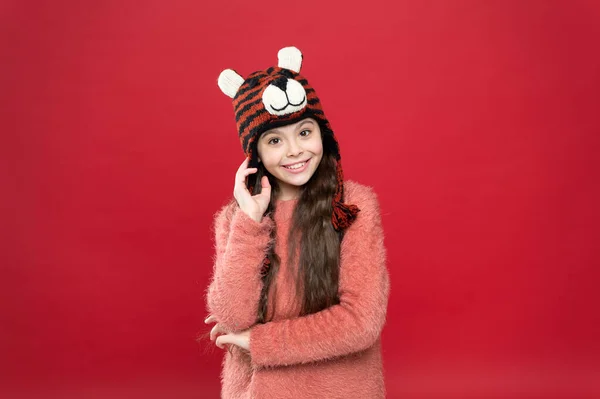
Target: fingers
(264, 182)
(244, 164)
(241, 178)
(224, 339)
(210, 319)
(243, 172)
(251, 204)
(232, 339)
(249, 171)
(215, 331)
(266, 188)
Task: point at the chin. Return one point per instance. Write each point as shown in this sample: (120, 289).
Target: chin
(299, 181)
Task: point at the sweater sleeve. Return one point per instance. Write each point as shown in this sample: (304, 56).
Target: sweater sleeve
(241, 244)
(350, 326)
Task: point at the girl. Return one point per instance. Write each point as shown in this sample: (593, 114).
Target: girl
(300, 286)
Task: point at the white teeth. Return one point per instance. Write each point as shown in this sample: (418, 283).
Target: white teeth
(298, 165)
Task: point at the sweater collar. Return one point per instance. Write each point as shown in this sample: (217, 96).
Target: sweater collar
(284, 209)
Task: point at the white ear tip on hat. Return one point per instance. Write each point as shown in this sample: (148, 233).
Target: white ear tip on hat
(230, 81)
(290, 58)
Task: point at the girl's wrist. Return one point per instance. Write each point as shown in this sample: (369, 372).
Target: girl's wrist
(256, 218)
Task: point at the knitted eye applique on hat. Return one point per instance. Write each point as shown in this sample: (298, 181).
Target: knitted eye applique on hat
(280, 96)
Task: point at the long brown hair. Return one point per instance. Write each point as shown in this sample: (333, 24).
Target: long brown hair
(317, 276)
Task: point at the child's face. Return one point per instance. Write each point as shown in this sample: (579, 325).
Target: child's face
(291, 144)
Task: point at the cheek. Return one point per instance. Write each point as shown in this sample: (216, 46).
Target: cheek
(316, 148)
(271, 161)
(267, 155)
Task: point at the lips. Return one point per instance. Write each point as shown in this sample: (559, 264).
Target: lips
(292, 164)
(299, 170)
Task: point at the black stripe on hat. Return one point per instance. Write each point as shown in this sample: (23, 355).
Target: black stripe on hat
(252, 133)
(249, 97)
(256, 76)
(240, 113)
(250, 118)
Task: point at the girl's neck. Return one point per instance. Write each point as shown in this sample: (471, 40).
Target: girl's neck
(287, 193)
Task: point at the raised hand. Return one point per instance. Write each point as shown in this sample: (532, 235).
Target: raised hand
(253, 205)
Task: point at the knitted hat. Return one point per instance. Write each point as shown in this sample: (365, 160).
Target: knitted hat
(280, 96)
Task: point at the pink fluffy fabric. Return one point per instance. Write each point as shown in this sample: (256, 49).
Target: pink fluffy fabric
(334, 353)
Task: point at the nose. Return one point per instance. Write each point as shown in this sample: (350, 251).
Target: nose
(294, 149)
(281, 83)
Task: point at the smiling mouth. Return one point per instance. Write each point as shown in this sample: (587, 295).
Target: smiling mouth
(297, 165)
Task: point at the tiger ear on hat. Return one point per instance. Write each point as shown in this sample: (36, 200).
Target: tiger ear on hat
(290, 58)
(230, 81)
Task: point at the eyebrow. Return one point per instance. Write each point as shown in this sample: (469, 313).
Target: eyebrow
(275, 131)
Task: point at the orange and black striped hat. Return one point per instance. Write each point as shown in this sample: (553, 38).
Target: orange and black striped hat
(280, 96)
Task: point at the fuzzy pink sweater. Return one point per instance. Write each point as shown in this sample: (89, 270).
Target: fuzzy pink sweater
(334, 353)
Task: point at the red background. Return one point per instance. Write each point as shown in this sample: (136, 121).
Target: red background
(476, 122)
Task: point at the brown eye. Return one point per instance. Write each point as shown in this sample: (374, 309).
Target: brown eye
(308, 132)
(273, 139)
